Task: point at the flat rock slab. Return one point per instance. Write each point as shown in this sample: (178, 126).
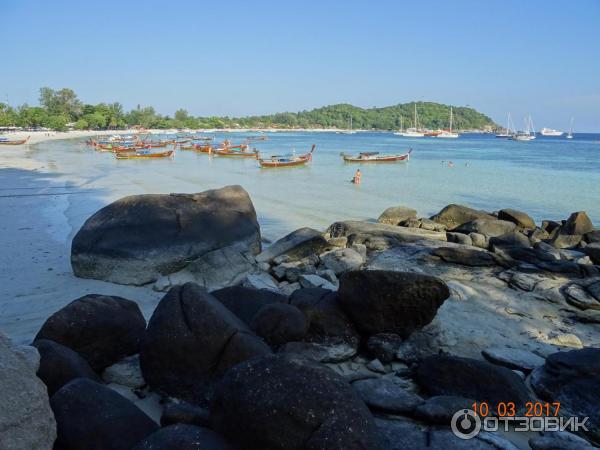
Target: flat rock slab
(513, 358)
(298, 244)
(384, 395)
(367, 229)
(466, 256)
(440, 408)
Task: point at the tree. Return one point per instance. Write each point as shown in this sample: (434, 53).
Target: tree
(8, 116)
(82, 124)
(63, 102)
(181, 115)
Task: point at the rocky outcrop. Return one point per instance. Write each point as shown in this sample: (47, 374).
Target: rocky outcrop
(102, 329)
(453, 216)
(487, 227)
(578, 223)
(387, 396)
(91, 416)
(278, 323)
(140, 238)
(466, 256)
(287, 401)
(342, 260)
(183, 437)
(191, 339)
(296, 245)
(519, 218)
(26, 420)
(396, 214)
(60, 364)
(245, 302)
(391, 302)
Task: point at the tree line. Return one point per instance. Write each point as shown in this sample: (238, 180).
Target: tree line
(57, 108)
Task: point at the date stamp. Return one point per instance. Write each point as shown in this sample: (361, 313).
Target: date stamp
(508, 416)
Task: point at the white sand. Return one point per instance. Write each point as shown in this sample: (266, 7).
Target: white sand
(39, 215)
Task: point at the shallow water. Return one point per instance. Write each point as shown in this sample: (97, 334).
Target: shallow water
(549, 177)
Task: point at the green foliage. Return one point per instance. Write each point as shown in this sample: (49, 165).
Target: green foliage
(82, 124)
(62, 102)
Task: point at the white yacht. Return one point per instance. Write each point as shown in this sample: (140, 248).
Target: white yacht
(507, 134)
(448, 134)
(528, 134)
(349, 130)
(551, 132)
(413, 131)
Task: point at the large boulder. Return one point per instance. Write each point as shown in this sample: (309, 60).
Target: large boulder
(573, 379)
(487, 227)
(380, 301)
(26, 420)
(396, 214)
(471, 378)
(191, 339)
(510, 239)
(331, 334)
(453, 215)
(60, 364)
(91, 416)
(183, 437)
(278, 323)
(140, 238)
(521, 219)
(578, 223)
(296, 245)
(245, 302)
(593, 251)
(466, 256)
(342, 260)
(286, 401)
(387, 396)
(103, 329)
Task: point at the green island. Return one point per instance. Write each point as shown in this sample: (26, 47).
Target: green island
(62, 109)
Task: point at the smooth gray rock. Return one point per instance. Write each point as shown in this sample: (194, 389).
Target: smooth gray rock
(140, 238)
(593, 251)
(454, 215)
(561, 240)
(384, 395)
(459, 238)
(594, 290)
(519, 218)
(342, 260)
(479, 240)
(296, 245)
(579, 297)
(261, 281)
(466, 256)
(488, 227)
(376, 366)
(513, 358)
(26, 420)
(314, 281)
(126, 372)
(396, 214)
(510, 239)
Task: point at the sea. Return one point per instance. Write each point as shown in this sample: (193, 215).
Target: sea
(549, 178)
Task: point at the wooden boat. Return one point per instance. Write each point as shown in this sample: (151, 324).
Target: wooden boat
(237, 151)
(204, 148)
(156, 144)
(187, 147)
(375, 157)
(203, 138)
(286, 160)
(18, 142)
(144, 155)
(257, 138)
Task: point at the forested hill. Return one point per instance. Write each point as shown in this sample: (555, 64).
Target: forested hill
(431, 115)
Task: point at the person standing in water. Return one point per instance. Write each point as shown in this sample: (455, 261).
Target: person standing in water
(357, 176)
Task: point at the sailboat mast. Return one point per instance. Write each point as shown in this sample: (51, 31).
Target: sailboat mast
(451, 119)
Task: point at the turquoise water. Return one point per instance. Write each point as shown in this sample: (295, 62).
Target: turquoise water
(549, 177)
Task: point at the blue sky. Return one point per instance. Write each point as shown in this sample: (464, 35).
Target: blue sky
(255, 57)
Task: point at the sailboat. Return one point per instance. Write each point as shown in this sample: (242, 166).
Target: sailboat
(570, 135)
(448, 134)
(528, 134)
(507, 134)
(413, 131)
(349, 130)
(401, 132)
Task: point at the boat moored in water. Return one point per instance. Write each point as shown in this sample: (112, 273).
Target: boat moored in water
(375, 157)
(143, 154)
(551, 132)
(286, 160)
(4, 141)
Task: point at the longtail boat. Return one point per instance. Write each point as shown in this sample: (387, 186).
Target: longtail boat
(203, 138)
(4, 141)
(236, 151)
(257, 138)
(143, 155)
(204, 148)
(187, 147)
(375, 157)
(157, 144)
(287, 160)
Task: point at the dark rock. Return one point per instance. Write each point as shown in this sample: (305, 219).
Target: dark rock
(578, 223)
(593, 251)
(103, 329)
(488, 227)
(440, 408)
(466, 256)
(512, 239)
(459, 238)
(329, 326)
(60, 364)
(183, 437)
(521, 219)
(245, 302)
(580, 298)
(384, 346)
(553, 442)
(384, 395)
(594, 290)
(538, 235)
(286, 401)
(573, 379)
(561, 240)
(380, 301)
(453, 216)
(551, 226)
(342, 260)
(191, 339)
(183, 412)
(279, 323)
(296, 245)
(592, 237)
(547, 248)
(90, 416)
(140, 238)
(397, 214)
(479, 240)
(470, 378)
(513, 358)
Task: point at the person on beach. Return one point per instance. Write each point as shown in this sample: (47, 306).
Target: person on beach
(357, 176)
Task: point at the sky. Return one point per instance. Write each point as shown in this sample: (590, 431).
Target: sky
(258, 57)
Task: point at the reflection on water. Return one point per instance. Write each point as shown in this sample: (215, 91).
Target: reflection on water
(548, 177)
